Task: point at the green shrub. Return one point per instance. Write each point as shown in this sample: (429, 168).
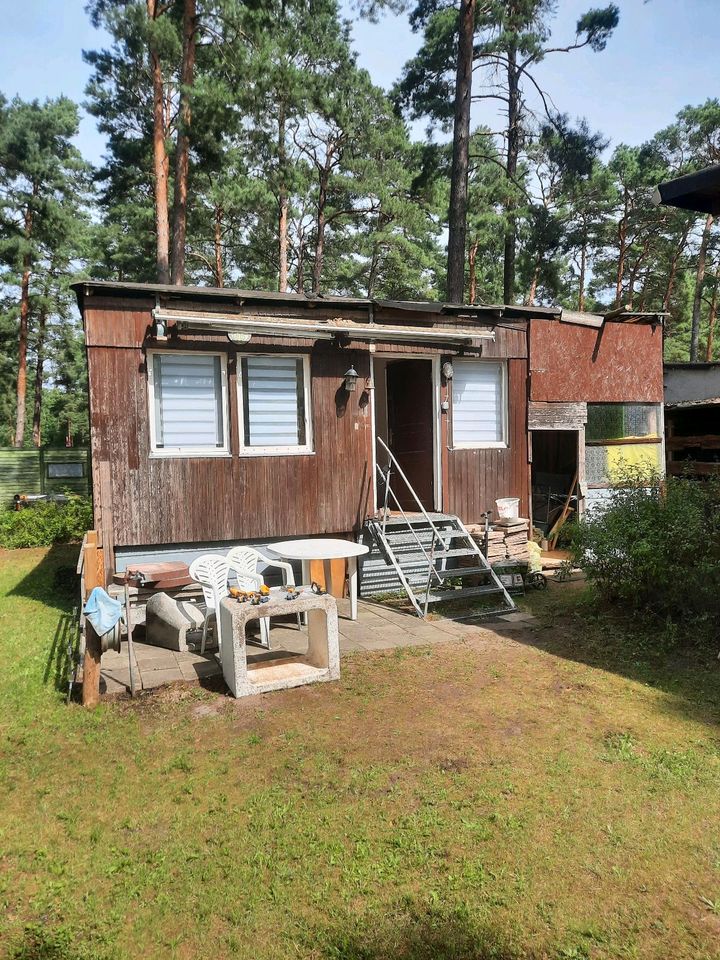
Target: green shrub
(45, 524)
(655, 549)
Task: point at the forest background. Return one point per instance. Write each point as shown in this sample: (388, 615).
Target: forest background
(245, 144)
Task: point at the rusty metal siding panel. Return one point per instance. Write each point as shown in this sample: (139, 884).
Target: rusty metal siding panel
(556, 416)
(621, 362)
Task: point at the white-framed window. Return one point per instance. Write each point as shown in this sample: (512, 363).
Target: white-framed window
(188, 403)
(479, 403)
(274, 404)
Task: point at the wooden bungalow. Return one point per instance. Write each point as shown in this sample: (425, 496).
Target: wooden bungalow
(595, 406)
(221, 416)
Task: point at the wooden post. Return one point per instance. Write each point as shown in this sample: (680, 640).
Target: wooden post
(93, 651)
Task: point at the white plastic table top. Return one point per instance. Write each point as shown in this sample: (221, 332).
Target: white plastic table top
(320, 549)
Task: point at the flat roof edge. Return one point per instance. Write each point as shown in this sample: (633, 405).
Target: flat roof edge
(85, 288)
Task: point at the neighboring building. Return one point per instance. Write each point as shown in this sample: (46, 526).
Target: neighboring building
(222, 415)
(595, 405)
(692, 390)
(692, 418)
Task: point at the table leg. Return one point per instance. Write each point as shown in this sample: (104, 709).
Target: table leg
(131, 649)
(306, 580)
(353, 585)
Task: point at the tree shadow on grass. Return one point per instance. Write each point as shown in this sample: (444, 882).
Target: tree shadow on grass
(416, 934)
(54, 583)
(574, 626)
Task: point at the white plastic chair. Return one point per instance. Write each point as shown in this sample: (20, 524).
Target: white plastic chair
(212, 573)
(243, 561)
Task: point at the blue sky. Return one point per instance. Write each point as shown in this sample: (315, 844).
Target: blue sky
(662, 57)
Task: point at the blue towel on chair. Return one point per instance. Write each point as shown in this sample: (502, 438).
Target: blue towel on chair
(102, 611)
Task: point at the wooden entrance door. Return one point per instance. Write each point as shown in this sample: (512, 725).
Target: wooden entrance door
(410, 429)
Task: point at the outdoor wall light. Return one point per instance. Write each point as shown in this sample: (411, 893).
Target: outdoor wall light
(351, 379)
(447, 370)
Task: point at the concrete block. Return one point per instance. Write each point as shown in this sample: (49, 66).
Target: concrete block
(168, 621)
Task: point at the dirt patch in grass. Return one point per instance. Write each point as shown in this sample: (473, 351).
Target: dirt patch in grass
(504, 798)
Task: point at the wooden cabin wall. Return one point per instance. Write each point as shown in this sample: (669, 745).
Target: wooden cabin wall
(172, 500)
(617, 363)
(475, 479)
(165, 500)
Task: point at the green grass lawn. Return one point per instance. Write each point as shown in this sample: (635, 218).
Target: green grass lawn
(548, 797)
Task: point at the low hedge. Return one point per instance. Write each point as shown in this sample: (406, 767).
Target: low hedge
(46, 524)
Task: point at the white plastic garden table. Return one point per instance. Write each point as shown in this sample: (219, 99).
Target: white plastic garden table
(326, 550)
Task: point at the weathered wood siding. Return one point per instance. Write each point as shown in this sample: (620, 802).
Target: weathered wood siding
(148, 500)
(617, 363)
(475, 479)
(158, 500)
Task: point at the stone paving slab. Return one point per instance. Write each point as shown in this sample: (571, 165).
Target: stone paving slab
(378, 627)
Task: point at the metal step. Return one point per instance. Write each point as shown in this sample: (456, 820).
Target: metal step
(438, 596)
(414, 548)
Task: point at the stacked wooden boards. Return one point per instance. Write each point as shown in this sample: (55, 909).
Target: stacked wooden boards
(507, 539)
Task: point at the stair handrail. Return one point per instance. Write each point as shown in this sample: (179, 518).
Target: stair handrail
(393, 460)
(431, 568)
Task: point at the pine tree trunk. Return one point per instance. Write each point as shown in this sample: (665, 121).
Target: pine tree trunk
(182, 156)
(583, 272)
(283, 205)
(160, 162)
(21, 387)
(672, 273)
(320, 235)
(532, 292)
(622, 248)
(513, 153)
(37, 401)
(22, 350)
(711, 324)
(697, 300)
(217, 240)
(472, 272)
(457, 219)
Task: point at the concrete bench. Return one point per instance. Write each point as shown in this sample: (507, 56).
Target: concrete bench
(321, 663)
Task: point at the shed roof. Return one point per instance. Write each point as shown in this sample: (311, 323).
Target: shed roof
(695, 191)
(484, 312)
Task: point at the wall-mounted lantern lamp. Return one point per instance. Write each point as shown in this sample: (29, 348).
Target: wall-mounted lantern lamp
(351, 379)
(447, 370)
(240, 336)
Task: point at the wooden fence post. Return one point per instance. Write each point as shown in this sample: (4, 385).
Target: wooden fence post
(94, 577)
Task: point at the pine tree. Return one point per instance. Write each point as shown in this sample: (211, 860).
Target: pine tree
(42, 184)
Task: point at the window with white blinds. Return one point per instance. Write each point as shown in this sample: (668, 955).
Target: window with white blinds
(274, 404)
(479, 406)
(190, 403)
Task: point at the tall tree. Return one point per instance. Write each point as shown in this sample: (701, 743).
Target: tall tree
(510, 38)
(42, 179)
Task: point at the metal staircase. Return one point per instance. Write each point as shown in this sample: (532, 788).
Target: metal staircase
(431, 556)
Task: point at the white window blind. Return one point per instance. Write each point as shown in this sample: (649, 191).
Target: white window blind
(478, 403)
(273, 393)
(188, 401)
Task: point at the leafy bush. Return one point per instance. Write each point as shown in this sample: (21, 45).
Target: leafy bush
(45, 524)
(656, 548)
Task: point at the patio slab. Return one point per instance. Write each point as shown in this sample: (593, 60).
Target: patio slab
(378, 627)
